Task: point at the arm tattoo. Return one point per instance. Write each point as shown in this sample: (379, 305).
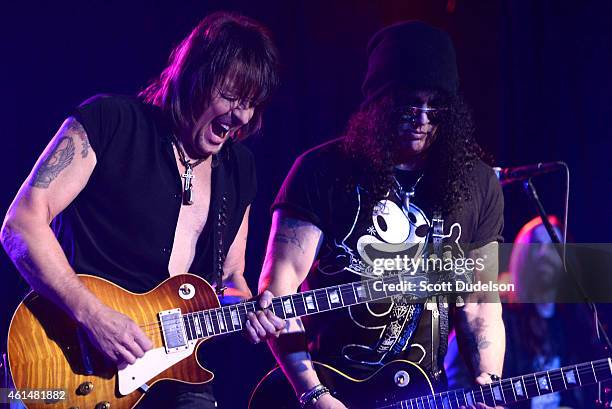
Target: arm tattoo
(57, 160)
(303, 367)
(289, 239)
(477, 327)
(76, 128)
(475, 340)
(289, 235)
(18, 251)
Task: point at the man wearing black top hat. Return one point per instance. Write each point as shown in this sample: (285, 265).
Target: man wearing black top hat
(407, 162)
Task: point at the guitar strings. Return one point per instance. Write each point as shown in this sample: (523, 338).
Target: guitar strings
(318, 296)
(154, 328)
(222, 310)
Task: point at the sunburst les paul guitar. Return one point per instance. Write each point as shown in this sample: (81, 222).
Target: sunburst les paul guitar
(48, 351)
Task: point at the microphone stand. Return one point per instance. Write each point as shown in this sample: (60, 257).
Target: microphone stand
(602, 336)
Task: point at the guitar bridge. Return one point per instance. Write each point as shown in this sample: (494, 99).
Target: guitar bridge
(173, 330)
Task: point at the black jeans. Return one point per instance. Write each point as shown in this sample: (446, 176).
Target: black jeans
(175, 395)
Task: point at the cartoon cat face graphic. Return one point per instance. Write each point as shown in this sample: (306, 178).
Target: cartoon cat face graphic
(394, 232)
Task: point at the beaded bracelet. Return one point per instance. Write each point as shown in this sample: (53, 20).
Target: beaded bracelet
(311, 396)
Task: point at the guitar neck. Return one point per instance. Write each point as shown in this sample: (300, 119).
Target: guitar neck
(516, 389)
(231, 318)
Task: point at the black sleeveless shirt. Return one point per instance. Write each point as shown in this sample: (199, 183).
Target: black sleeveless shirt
(121, 226)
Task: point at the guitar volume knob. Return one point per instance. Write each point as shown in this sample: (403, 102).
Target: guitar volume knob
(401, 378)
(186, 291)
(85, 388)
(103, 405)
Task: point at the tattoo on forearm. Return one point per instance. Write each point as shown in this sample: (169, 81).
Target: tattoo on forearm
(10, 242)
(289, 232)
(477, 327)
(57, 160)
(17, 251)
(475, 340)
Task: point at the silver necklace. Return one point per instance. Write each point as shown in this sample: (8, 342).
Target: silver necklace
(406, 195)
(188, 175)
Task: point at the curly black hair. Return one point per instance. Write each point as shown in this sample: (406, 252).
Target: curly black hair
(370, 138)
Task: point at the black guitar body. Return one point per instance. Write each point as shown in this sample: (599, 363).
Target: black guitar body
(396, 381)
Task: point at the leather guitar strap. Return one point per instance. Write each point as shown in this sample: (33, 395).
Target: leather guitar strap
(439, 304)
(218, 203)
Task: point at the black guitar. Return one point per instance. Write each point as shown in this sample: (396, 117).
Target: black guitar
(404, 385)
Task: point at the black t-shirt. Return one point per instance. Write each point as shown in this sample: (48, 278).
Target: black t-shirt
(362, 337)
(121, 226)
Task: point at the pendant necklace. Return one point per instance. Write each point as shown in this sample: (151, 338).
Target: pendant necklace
(188, 175)
(406, 195)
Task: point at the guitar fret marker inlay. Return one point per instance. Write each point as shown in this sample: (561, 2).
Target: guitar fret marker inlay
(543, 383)
(220, 321)
(208, 324)
(518, 387)
(310, 302)
(570, 377)
(198, 328)
(496, 394)
(287, 306)
(235, 318)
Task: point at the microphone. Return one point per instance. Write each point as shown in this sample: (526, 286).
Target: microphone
(520, 173)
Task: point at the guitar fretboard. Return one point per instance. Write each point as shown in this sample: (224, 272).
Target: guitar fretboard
(231, 318)
(514, 389)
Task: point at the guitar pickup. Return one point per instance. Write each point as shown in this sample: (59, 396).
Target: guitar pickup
(173, 330)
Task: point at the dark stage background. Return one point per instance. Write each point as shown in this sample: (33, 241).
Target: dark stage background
(536, 72)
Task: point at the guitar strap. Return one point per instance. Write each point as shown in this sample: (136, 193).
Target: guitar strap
(218, 210)
(439, 305)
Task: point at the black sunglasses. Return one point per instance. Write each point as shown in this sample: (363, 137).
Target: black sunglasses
(410, 113)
